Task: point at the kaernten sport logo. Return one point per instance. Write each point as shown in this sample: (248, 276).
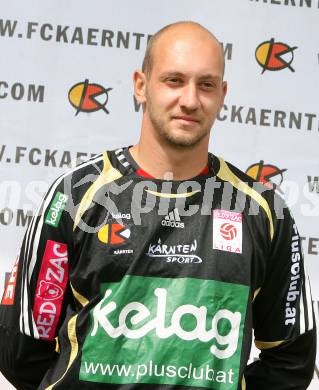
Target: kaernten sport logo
(228, 231)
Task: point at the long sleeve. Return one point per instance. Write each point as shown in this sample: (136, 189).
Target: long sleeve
(284, 326)
(35, 297)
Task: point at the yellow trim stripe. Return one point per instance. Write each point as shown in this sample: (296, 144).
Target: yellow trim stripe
(74, 347)
(166, 195)
(80, 298)
(243, 383)
(108, 174)
(256, 292)
(227, 175)
(57, 346)
(268, 344)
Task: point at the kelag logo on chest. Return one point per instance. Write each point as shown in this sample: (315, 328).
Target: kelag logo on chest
(153, 330)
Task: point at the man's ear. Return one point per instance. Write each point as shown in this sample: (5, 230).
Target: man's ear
(224, 92)
(139, 80)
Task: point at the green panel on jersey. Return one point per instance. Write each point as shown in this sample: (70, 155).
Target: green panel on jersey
(182, 331)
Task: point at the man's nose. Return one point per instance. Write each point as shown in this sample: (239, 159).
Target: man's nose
(189, 99)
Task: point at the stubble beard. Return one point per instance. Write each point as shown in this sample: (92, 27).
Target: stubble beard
(175, 140)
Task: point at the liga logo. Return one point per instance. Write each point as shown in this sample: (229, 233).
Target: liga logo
(89, 97)
(227, 231)
(274, 56)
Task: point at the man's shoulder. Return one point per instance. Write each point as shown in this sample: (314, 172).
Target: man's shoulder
(96, 166)
(230, 173)
(267, 195)
(94, 163)
(83, 172)
(104, 166)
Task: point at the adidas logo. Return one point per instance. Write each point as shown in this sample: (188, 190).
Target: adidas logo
(173, 219)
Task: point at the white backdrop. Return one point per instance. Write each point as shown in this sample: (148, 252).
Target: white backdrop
(48, 48)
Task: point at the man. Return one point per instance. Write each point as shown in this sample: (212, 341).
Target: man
(148, 267)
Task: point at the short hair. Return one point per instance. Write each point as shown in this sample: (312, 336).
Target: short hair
(148, 60)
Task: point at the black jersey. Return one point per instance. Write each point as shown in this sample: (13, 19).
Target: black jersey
(128, 282)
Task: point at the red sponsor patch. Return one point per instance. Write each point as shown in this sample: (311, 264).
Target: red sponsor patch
(8, 296)
(50, 289)
(227, 231)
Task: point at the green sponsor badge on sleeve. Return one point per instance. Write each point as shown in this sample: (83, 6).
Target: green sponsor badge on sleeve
(57, 206)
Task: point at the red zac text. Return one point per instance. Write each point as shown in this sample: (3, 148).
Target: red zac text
(52, 279)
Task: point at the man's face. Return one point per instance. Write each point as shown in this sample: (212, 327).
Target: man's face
(185, 91)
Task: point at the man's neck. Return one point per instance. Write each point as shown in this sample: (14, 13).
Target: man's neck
(170, 162)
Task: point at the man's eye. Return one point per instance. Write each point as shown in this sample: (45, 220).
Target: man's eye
(207, 85)
(174, 80)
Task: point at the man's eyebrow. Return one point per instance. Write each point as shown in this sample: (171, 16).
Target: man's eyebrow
(171, 73)
(209, 76)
